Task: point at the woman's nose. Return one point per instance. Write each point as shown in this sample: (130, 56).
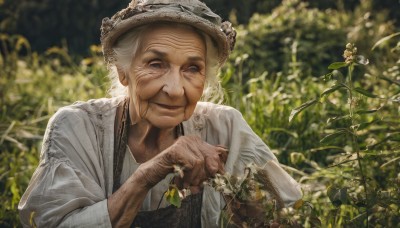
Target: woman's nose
(173, 84)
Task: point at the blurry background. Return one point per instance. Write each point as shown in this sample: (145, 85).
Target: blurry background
(46, 23)
(50, 57)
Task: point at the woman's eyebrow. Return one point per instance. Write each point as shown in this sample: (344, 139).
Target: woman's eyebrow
(157, 53)
(196, 59)
(160, 54)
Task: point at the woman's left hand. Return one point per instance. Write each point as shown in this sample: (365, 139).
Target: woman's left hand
(198, 159)
(203, 162)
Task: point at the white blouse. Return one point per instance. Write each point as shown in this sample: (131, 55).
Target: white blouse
(74, 178)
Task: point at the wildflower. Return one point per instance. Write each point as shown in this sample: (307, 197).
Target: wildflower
(350, 53)
(178, 170)
(221, 185)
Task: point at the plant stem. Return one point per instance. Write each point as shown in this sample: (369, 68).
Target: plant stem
(350, 86)
(355, 139)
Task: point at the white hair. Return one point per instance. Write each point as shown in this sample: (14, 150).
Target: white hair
(128, 44)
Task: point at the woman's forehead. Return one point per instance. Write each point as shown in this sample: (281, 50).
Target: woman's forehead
(178, 37)
(173, 28)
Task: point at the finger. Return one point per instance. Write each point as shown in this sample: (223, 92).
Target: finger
(223, 158)
(216, 157)
(221, 146)
(192, 176)
(198, 173)
(223, 154)
(221, 168)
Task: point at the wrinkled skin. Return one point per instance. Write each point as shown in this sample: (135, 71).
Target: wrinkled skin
(165, 83)
(167, 76)
(199, 160)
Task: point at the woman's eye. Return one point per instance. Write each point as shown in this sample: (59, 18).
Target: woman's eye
(156, 64)
(194, 69)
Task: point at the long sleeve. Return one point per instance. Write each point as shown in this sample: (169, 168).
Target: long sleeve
(68, 189)
(246, 147)
(223, 125)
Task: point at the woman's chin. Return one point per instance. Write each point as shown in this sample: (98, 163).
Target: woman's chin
(165, 122)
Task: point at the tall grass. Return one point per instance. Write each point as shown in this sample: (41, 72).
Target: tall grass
(32, 88)
(344, 143)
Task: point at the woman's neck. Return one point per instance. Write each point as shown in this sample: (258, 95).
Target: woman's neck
(146, 141)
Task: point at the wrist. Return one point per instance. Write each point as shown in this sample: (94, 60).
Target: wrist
(139, 179)
(153, 171)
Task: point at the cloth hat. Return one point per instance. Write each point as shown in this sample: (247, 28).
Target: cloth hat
(190, 12)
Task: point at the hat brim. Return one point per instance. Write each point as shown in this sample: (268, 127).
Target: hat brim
(153, 17)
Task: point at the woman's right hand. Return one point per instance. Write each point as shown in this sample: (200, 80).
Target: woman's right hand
(199, 160)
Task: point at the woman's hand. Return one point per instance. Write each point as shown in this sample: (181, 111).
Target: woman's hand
(199, 160)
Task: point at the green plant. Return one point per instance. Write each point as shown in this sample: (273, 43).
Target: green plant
(269, 39)
(353, 129)
(32, 88)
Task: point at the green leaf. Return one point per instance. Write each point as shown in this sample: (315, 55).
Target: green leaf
(329, 148)
(384, 39)
(337, 118)
(367, 111)
(337, 196)
(364, 125)
(173, 197)
(227, 76)
(6, 132)
(15, 193)
(327, 76)
(390, 162)
(299, 109)
(291, 133)
(22, 42)
(337, 65)
(333, 135)
(331, 90)
(297, 158)
(396, 82)
(364, 92)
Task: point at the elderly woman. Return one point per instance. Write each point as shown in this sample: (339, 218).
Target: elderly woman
(108, 162)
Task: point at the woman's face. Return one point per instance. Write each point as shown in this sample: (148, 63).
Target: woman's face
(167, 76)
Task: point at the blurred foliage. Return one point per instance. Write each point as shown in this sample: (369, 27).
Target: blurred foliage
(315, 142)
(76, 24)
(32, 88)
(274, 69)
(309, 35)
(47, 23)
(319, 143)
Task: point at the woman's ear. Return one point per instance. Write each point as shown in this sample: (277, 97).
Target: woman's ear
(122, 76)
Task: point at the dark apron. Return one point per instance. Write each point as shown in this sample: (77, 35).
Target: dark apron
(188, 215)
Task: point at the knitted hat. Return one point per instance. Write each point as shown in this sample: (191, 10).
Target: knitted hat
(190, 12)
